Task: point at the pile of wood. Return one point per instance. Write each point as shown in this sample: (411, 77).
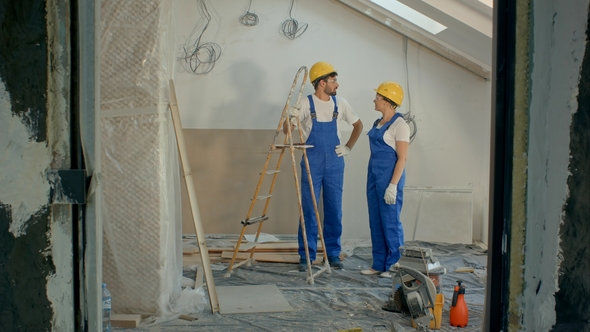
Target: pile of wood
(277, 252)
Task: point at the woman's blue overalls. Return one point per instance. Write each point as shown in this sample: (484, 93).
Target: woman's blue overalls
(387, 233)
(327, 172)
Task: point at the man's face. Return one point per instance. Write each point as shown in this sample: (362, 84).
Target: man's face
(331, 86)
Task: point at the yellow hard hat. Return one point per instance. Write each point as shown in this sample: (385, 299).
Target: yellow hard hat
(391, 91)
(320, 69)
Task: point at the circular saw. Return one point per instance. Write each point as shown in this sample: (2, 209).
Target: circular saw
(415, 295)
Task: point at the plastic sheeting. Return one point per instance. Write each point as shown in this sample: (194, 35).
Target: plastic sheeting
(342, 300)
(141, 188)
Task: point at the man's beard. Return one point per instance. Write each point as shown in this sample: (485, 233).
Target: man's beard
(330, 93)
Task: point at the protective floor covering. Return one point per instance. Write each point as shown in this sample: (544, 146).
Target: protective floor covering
(342, 300)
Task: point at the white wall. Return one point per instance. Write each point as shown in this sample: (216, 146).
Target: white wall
(249, 85)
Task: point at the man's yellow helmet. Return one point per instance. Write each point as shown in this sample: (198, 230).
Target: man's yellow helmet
(320, 69)
(391, 91)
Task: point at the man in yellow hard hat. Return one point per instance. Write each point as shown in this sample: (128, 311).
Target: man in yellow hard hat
(319, 115)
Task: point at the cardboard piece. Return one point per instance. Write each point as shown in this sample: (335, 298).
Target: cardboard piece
(251, 299)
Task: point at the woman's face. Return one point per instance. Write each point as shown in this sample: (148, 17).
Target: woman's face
(380, 103)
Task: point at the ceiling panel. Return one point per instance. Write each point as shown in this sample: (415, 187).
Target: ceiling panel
(466, 36)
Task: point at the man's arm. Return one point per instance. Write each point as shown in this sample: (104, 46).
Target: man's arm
(285, 124)
(357, 129)
(292, 115)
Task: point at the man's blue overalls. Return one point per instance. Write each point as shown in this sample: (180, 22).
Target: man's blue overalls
(387, 233)
(327, 171)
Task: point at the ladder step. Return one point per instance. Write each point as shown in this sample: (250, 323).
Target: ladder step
(299, 146)
(254, 220)
(261, 197)
(272, 172)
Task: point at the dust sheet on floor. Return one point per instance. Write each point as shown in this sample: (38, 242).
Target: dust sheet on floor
(342, 300)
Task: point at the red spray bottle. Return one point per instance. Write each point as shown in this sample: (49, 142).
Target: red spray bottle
(459, 313)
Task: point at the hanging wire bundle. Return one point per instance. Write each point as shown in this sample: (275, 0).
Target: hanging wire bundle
(290, 28)
(408, 116)
(249, 19)
(200, 58)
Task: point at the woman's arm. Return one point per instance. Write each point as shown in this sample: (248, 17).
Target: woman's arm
(402, 153)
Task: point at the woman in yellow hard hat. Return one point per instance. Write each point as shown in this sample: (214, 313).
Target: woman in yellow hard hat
(389, 140)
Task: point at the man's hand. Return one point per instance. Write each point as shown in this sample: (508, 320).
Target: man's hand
(391, 194)
(294, 111)
(342, 150)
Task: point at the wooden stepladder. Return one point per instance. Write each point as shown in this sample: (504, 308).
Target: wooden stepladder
(289, 145)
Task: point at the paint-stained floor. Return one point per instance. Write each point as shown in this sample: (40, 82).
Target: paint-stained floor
(342, 300)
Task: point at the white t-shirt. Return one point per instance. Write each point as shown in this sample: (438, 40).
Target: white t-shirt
(399, 131)
(324, 111)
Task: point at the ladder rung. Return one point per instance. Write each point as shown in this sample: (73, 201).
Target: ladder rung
(295, 145)
(254, 220)
(273, 171)
(263, 197)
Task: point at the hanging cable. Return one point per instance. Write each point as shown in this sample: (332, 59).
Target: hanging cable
(408, 116)
(200, 58)
(290, 28)
(249, 19)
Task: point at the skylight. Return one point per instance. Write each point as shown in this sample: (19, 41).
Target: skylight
(411, 15)
(489, 3)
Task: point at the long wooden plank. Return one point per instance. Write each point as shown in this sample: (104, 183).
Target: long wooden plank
(262, 257)
(261, 247)
(196, 259)
(219, 250)
(190, 186)
(273, 246)
(190, 250)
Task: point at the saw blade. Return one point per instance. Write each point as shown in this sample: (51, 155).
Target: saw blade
(400, 301)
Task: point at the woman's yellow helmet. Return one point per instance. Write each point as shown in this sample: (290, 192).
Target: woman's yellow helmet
(391, 91)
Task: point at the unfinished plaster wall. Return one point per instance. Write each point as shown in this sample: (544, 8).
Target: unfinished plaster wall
(36, 273)
(556, 53)
(572, 301)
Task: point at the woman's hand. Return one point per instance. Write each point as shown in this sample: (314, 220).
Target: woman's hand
(391, 194)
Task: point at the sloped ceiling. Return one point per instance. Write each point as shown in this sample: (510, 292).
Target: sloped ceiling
(465, 39)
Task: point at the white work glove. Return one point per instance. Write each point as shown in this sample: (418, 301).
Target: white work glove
(294, 111)
(342, 150)
(391, 194)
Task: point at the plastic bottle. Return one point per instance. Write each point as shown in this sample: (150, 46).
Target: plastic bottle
(459, 315)
(106, 309)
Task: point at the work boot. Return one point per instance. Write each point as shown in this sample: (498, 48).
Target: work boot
(302, 267)
(335, 262)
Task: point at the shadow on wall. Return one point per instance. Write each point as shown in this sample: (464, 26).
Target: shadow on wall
(250, 108)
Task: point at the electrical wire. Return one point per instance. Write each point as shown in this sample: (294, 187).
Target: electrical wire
(249, 19)
(408, 117)
(200, 58)
(290, 28)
